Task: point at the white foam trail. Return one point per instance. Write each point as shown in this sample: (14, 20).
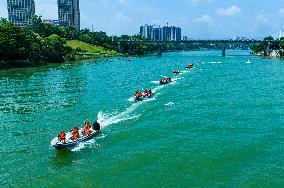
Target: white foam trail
(216, 62)
(131, 99)
(155, 82)
(169, 104)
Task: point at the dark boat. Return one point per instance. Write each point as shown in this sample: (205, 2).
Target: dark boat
(176, 71)
(165, 81)
(143, 96)
(189, 66)
(71, 143)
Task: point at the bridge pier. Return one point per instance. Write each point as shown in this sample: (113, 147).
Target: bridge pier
(121, 46)
(266, 48)
(224, 50)
(159, 49)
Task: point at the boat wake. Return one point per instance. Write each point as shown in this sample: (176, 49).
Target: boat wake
(89, 143)
(169, 104)
(107, 119)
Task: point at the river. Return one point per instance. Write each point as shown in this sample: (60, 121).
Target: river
(219, 124)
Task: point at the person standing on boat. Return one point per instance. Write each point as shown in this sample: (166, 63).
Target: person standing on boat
(96, 126)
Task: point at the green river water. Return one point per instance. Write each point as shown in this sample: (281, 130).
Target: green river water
(220, 124)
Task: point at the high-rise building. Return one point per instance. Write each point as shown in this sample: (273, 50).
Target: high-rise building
(69, 13)
(147, 31)
(20, 12)
(165, 33)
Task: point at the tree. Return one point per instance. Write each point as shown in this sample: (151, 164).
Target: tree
(270, 38)
(14, 43)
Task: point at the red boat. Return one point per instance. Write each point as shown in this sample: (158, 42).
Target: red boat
(189, 66)
(176, 71)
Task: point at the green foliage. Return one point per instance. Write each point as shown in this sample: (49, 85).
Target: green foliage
(282, 43)
(14, 43)
(256, 48)
(270, 38)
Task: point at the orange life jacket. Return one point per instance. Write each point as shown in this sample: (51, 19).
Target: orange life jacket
(62, 135)
(76, 136)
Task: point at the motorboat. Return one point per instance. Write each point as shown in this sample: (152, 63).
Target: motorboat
(69, 142)
(176, 71)
(165, 80)
(190, 66)
(139, 96)
(248, 62)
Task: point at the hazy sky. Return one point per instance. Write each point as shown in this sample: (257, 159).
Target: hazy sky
(197, 18)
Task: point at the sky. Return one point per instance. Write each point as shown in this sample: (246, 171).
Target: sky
(199, 19)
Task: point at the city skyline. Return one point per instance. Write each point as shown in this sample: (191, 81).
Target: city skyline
(197, 18)
(161, 33)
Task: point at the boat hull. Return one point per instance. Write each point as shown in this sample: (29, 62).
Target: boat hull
(137, 99)
(70, 145)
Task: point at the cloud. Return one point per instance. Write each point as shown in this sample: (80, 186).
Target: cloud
(281, 12)
(122, 18)
(228, 11)
(204, 19)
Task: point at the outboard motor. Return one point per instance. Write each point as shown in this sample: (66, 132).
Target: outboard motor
(96, 126)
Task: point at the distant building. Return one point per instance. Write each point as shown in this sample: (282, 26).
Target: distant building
(69, 13)
(165, 33)
(147, 31)
(185, 38)
(20, 12)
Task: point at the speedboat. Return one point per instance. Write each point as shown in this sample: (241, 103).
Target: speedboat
(248, 62)
(176, 71)
(69, 143)
(165, 80)
(189, 66)
(143, 96)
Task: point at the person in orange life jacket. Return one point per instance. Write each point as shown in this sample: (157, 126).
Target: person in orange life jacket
(75, 136)
(146, 92)
(87, 128)
(75, 132)
(61, 136)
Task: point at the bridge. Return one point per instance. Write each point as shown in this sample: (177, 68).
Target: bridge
(224, 43)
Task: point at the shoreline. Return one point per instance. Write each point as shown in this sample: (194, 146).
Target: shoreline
(28, 64)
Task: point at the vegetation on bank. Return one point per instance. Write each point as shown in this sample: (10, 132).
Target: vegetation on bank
(40, 43)
(259, 48)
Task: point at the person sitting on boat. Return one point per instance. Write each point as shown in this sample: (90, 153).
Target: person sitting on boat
(167, 79)
(146, 93)
(137, 94)
(75, 130)
(75, 136)
(61, 136)
(96, 126)
(87, 128)
(150, 92)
